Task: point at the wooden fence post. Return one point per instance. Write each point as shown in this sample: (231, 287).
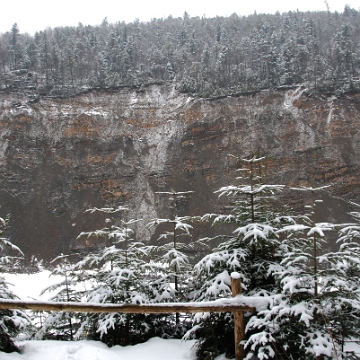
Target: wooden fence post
(239, 326)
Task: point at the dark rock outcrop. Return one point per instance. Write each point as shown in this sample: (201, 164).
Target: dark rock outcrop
(61, 156)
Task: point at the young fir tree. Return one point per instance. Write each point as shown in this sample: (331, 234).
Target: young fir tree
(61, 325)
(117, 274)
(171, 261)
(250, 250)
(318, 301)
(289, 310)
(345, 320)
(339, 284)
(11, 321)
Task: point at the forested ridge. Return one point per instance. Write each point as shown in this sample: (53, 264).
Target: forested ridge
(119, 152)
(208, 57)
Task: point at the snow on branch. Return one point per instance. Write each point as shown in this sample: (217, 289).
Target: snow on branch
(311, 188)
(109, 210)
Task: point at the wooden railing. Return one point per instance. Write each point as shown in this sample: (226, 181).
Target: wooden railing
(223, 305)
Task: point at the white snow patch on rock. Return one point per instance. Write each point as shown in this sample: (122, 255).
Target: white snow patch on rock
(331, 105)
(290, 97)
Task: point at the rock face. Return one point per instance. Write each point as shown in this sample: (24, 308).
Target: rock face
(59, 157)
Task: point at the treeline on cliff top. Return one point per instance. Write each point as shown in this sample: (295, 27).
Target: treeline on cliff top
(207, 57)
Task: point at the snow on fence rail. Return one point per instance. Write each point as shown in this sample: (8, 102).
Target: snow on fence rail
(235, 305)
(124, 308)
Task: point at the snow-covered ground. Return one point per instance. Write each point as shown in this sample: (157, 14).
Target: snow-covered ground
(28, 287)
(154, 349)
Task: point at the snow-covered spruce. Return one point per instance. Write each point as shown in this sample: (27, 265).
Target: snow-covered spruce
(316, 307)
(251, 250)
(61, 325)
(11, 321)
(116, 274)
(171, 257)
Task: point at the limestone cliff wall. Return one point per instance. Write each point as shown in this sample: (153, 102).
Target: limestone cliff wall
(59, 157)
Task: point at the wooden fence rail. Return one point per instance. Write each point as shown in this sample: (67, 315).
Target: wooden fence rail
(124, 308)
(210, 306)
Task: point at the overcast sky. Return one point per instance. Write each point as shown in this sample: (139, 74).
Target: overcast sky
(36, 15)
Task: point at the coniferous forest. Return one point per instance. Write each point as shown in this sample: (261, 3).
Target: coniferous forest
(210, 57)
(306, 293)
